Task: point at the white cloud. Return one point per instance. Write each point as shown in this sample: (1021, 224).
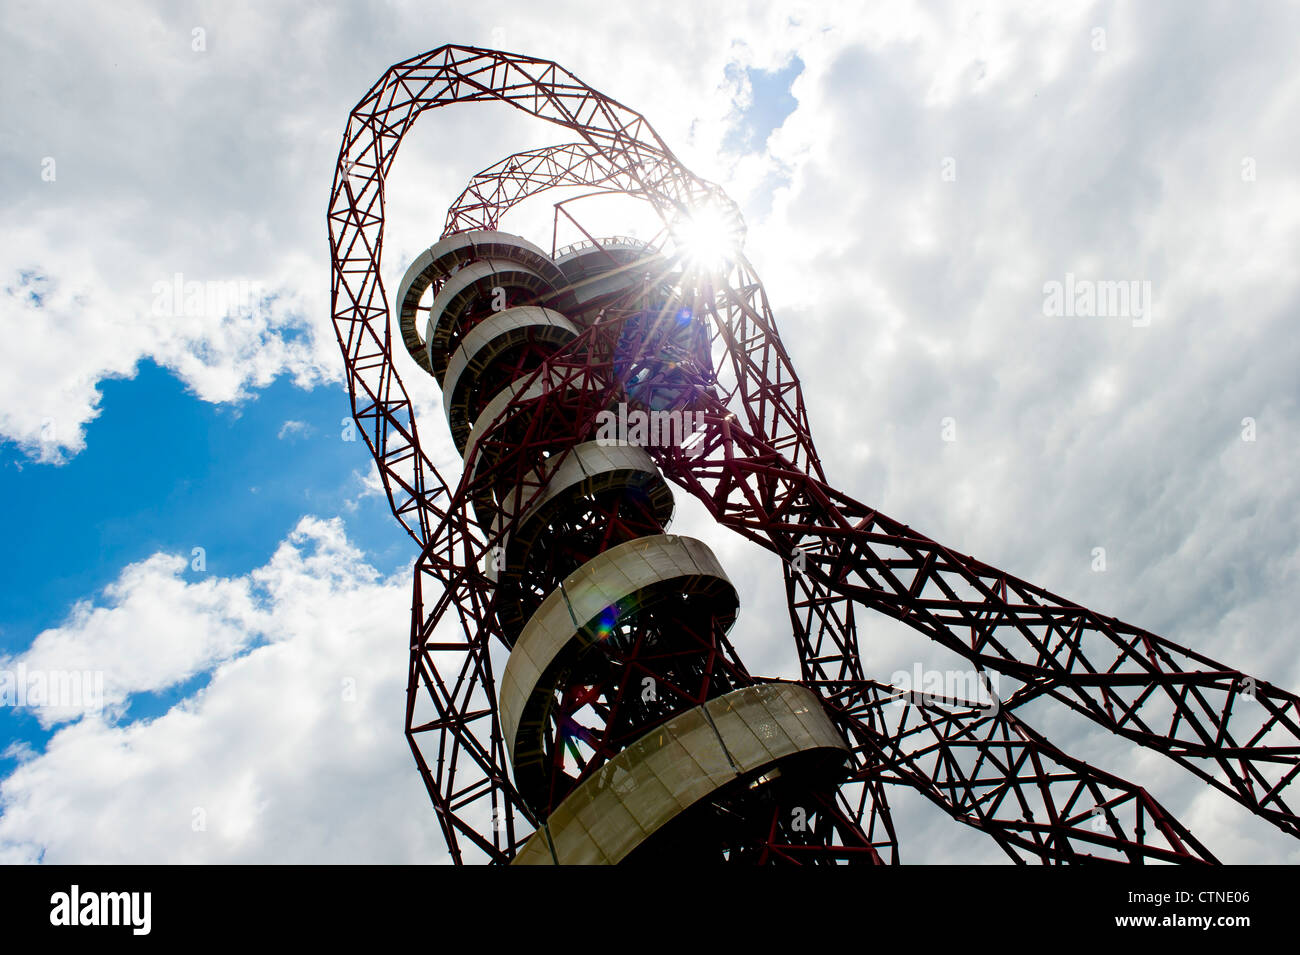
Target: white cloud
(85, 329)
(292, 752)
(157, 630)
(292, 429)
(905, 299)
(902, 297)
(216, 165)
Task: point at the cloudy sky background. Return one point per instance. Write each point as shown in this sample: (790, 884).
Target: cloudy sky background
(912, 177)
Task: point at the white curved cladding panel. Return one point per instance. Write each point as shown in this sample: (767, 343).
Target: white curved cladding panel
(594, 273)
(605, 580)
(498, 405)
(586, 471)
(605, 284)
(482, 344)
(475, 279)
(449, 253)
(444, 257)
(614, 243)
(674, 766)
(487, 508)
(586, 260)
(590, 466)
(590, 460)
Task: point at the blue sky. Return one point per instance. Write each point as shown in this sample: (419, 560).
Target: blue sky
(164, 471)
(159, 462)
(910, 182)
(770, 103)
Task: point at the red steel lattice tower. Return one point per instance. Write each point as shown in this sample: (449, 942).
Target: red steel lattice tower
(573, 693)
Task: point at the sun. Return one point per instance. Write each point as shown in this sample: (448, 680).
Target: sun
(710, 236)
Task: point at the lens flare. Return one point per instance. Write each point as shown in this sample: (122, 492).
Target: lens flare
(605, 623)
(710, 235)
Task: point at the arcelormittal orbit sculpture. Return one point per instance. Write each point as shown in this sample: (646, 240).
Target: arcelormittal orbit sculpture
(574, 696)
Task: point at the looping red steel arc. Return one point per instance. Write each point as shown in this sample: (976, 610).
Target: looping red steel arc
(756, 470)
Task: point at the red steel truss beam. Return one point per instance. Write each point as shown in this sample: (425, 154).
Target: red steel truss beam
(759, 474)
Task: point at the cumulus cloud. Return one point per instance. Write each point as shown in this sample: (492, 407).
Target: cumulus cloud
(155, 631)
(293, 751)
(942, 171)
(69, 331)
(939, 170)
(212, 161)
(940, 167)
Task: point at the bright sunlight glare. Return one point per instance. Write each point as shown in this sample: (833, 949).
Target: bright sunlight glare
(710, 236)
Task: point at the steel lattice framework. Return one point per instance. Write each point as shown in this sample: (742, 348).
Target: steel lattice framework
(757, 472)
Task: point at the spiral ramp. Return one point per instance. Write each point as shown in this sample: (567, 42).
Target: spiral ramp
(634, 731)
